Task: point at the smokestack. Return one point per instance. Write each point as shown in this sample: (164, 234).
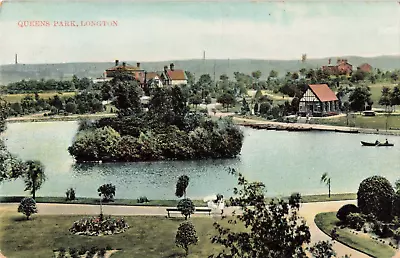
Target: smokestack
(16, 59)
(145, 77)
(138, 65)
(329, 62)
(171, 66)
(116, 62)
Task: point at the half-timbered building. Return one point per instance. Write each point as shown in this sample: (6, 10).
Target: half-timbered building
(318, 100)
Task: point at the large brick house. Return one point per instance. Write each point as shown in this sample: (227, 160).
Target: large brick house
(318, 100)
(137, 72)
(342, 67)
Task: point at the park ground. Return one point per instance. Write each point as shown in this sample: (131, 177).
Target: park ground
(151, 234)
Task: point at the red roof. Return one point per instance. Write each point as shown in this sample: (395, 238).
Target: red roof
(176, 74)
(151, 75)
(323, 92)
(121, 67)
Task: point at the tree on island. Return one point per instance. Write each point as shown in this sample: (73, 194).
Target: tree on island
(34, 176)
(181, 186)
(273, 229)
(186, 236)
(326, 180)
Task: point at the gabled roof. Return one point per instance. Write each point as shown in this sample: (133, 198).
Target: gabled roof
(151, 75)
(176, 74)
(323, 92)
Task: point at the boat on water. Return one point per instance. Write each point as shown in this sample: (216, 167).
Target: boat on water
(377, 144)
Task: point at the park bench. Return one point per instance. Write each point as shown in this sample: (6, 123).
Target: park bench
(196, 210)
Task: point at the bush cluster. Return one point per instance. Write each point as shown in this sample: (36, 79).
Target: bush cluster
(210, 139)
(345, 210)
(96, 226)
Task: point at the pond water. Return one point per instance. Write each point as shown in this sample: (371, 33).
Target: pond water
(285, 161)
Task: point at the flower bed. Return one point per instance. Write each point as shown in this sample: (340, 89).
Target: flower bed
(97, 226)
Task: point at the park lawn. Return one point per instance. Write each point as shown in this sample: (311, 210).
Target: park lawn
(146, 237)
(327, 221)
(13, 98)
(376, 90)
(373, 122)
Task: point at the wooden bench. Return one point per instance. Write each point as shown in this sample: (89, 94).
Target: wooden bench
(196, 210)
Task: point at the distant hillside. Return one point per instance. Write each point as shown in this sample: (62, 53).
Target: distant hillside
(12, 73)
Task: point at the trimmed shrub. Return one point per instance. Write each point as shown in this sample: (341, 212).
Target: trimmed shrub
(70, 193)
(108, 192)
(396, 205)
(27, 207)
(186, 207)
(142, 199)
(375, 196)
(345, 210)
(355, 221)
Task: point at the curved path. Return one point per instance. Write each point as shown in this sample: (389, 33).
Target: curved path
(307, 210)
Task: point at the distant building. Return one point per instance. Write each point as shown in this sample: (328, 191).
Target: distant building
(342, 67)
(318, 100)
(172, 76)
(152, 79)
(365, 68)
(135, 71)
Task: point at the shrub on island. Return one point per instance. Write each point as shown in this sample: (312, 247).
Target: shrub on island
(345, 210)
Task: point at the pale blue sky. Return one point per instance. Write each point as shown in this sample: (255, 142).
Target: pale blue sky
(156, 31)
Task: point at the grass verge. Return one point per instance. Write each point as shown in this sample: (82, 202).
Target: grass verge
(165, 203)
(13, 98)
(146, 237)
(327, 221)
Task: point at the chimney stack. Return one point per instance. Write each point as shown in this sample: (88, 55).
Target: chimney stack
(116, 62)
(138, 65)
(171, 66)
(123, 64)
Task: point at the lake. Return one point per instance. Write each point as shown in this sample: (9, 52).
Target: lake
(285, 161)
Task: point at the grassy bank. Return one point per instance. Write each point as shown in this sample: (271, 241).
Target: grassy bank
(41, 118)
(13, 98)
(165, 203)
(146, 237)
(327, 221)
(372, 122)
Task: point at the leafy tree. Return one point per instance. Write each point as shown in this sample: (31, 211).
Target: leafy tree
(359, 97)
(71, 107)
(322, 249)
(186, 206)
(186, 236)
(273, 74)
(258, 94)
(203, 84)
(256, 75)
(226, 99)
(190, 77)
(385, 99)
(181, 186)
(264, 108)
(375, 196)
(327, 180)
(395, 96)
(196, 100)
(107, 191)
(127, 95)
(273, 229)
(245, 106)
(34, 176)
(27, 207)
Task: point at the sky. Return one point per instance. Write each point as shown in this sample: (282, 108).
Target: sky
(165, 30)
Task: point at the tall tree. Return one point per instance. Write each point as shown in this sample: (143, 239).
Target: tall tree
(127, 95)
(395, 96)
(359, 97)
(385, 99)
(326, 180)
(34, 176)
(181, 186)
(273, 74)
(186, 236)
(273, 229)
(226, 99)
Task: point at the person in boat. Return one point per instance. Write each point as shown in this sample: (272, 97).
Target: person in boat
(376, 142)
(386, 142)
